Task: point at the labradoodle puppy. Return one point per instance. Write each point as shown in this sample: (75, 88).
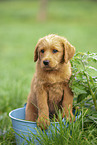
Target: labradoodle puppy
(49, 87)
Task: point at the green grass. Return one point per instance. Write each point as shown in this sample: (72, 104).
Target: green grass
(19, 33)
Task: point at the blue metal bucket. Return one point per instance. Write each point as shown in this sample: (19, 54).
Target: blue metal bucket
(24, 128)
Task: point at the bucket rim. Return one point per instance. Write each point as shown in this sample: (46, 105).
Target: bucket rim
(31, 122)
(21, 120)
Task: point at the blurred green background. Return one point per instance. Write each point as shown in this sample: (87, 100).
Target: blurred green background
(22, 23)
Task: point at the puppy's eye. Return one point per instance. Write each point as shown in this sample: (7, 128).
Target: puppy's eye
(55, 51)
(42, 51)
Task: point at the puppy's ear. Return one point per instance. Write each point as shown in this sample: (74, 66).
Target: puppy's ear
(36, 53)
(69, 50)
(36, 50)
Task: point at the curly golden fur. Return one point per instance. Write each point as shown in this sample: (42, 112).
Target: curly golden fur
(49, 85)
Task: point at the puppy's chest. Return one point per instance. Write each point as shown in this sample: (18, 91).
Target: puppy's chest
(55, 93)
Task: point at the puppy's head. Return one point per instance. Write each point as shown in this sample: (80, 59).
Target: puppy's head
(53, 50)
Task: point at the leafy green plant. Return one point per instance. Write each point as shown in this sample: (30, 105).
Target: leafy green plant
(83, 83)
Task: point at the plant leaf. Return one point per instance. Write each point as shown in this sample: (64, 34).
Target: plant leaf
(81, 97)
(90, 67)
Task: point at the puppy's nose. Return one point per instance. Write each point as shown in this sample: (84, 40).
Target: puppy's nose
(46, 62)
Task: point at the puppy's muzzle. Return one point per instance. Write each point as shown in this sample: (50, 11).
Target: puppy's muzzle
(46, 62)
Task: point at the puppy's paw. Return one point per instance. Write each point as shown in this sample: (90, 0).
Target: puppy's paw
(69, 117)
(43, 122)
